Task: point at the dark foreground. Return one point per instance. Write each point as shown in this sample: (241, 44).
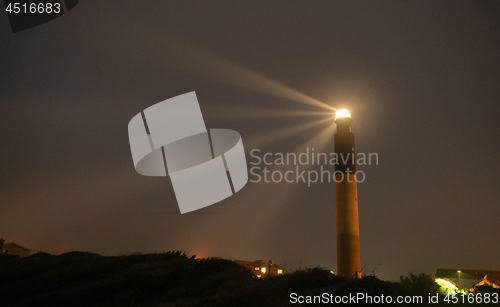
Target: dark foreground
(173, 279)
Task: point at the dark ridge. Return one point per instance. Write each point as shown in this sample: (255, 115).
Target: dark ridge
(174, 279)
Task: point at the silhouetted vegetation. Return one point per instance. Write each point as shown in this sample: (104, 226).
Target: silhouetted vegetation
(174, 279)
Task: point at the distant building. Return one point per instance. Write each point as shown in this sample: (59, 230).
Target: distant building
(487, 282)
(478, 277)
(260, 268)
(14, 249)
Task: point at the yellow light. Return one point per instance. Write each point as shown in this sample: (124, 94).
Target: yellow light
(263, 270)
(446, 287)
(342, 113)
(280, 271)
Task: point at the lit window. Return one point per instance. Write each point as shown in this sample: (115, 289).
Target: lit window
(280, 271)
(256, 268)
(263, 270)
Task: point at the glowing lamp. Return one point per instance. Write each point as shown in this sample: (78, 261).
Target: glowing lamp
(342, 113)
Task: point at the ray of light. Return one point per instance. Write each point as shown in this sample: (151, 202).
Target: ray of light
(260, 140)
(242, 113)
(320, 140)
(246, 204)
(205, 63)
(171, 52)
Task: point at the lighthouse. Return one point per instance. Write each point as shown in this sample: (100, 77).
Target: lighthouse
(346, 198)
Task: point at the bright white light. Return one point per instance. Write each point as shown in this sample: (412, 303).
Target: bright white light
(342, 113)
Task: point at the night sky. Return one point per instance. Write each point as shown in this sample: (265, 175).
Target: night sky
(422, 79)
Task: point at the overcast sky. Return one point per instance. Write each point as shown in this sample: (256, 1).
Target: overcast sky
(422, 79)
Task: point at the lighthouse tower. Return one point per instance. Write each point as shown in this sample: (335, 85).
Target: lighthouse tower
(346, 199)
